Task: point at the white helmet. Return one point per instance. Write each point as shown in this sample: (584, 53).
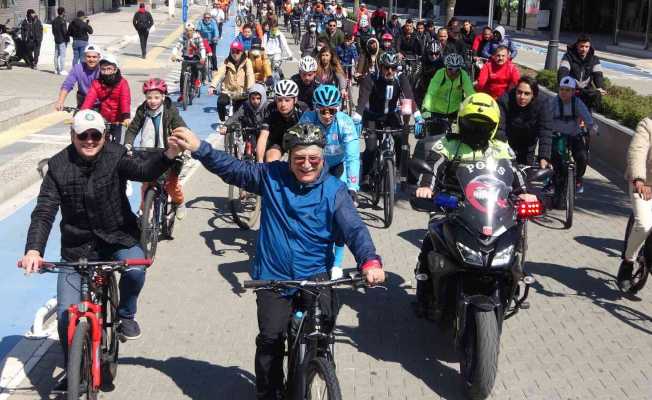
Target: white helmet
(286, 88)
(108, 58)
(308, 64)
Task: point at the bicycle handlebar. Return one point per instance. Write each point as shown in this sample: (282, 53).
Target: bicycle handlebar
(50, 266)
(271, 284)
(70, 109)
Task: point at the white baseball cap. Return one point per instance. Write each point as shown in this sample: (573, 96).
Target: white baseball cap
(86, 120)
(111, 59)
(568, 82)
(91, 48)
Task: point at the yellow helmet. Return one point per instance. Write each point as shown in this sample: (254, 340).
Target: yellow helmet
(478, 120)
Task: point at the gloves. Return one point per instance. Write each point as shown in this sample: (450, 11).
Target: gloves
(418, 127)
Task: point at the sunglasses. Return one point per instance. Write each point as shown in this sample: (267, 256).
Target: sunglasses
(313, 160)
(327, 110)
(94, 135)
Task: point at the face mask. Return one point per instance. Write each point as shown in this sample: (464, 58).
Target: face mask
(109, 79)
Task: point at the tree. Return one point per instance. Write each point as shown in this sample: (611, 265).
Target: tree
(450, 10)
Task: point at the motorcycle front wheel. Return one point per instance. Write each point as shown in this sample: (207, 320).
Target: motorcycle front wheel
(479, 358)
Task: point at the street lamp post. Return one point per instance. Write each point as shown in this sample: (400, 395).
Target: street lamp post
(553, 44)
(490, 23)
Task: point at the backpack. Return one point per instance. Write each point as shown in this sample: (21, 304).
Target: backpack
(141, 22)
(567, 118)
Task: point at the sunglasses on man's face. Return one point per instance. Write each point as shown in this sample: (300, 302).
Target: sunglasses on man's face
(300, 160)
(327, 110)
(94, 135)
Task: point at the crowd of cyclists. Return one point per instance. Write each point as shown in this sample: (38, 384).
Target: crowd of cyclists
(409, 73)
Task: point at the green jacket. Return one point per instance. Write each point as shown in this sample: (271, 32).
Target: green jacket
(448, 150)
(171, 121)
(335, 40)
(444, 95)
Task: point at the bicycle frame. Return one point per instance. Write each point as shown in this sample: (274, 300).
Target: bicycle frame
(93, 313)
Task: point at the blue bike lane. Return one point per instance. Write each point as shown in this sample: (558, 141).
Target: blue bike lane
(21, 296)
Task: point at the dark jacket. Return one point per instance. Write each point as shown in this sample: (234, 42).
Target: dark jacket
(299, 223)
(143, 21)
(468, 38)
(60, 30)
(95, 210)
(409, 46)
(586, 71)
(308, 43)
(524, 127)
(171, 121)
(79, 30)
(31, 31)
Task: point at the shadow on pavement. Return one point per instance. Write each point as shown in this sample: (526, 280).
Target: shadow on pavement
(414, 236)
(42, 379)
(389, 331)
(601, 290)
(200, 379)
(602, 198)
(611, 247)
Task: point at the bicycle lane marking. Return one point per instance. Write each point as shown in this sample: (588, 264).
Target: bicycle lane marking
(21, 293)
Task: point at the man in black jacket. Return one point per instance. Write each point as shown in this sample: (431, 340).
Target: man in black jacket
(31, 31)
(581, 63)
(525, 122)
(78, 30)
(143, 22)
(87, 181)
(61, 39)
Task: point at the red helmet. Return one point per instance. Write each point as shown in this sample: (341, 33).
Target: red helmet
(237, 45)
(155, 84)
(387, 37)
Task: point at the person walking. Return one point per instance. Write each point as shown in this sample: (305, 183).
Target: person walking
(218, 15)
(78, 30)
(143, 22)
(61, 39)
(31, 31)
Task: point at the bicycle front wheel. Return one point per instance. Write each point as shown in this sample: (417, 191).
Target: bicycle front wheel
(389, 175)
(570, 196)
(321, 380)
(110, 341)
(80, 379)
(185, 94)
(149, 224)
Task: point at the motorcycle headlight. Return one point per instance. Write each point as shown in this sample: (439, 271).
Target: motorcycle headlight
(469, 255)
(503, 257)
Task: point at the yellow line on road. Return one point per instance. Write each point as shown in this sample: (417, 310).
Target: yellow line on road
(20, 131)
(150, 61)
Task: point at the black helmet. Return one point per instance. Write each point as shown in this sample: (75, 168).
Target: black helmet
(303, 134)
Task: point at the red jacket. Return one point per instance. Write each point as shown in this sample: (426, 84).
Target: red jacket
(115, 102)
(496, 80)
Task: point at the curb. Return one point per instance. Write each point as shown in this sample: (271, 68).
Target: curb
(17, 119)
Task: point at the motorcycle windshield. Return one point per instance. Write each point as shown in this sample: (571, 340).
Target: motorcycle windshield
(486, 185)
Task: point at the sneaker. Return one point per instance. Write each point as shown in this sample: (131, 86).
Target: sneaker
(63, 73)
(129, 329)
(336, 272)
(624, 278)
(181, 211)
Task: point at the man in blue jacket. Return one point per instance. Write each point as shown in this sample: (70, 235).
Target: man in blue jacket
(305, 211)
(207, 28)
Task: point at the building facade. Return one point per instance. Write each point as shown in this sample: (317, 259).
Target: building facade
(15, 10)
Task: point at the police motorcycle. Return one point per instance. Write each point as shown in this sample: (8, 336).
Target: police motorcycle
(470, 275)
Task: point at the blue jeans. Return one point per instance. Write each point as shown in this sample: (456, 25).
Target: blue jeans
(131, 283)
(78, 47)
(59, 57)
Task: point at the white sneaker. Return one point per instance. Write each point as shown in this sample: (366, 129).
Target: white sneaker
(129, 191)
(336, 273)
(181, 211)
(63, 73)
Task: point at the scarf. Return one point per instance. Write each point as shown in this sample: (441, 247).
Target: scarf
(151, 134)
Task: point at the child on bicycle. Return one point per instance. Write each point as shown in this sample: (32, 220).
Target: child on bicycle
(348, 55)
(153, 122)
(189, 48)
(569, 116)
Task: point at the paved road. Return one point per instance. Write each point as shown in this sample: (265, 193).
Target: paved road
(579, 340)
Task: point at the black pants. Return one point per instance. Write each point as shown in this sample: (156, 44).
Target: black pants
(32, 51)
(580, 154)
(115, 133)
(214, 56)
(591, 98)
(524, 154)
(223, 100)
(274, 311)
(219, 31)
(371, 140)
(194, 74)
(143, 35)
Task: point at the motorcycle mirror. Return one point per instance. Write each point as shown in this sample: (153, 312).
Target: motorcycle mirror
(538, 174)
(418, 166)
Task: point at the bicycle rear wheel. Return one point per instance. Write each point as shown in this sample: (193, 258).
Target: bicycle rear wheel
(149, 228)
(570, 196)
(80, 380)
(185, 93)
(110, 341)
(388, 187)
(321, 380)
(168, 214)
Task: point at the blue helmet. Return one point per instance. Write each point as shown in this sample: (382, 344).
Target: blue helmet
(326, 96)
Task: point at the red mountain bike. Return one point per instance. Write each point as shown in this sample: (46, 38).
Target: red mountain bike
(93, 341)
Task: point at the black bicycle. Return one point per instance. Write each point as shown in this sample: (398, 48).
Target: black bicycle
(189, 90)
(158, 212)
(240, 142)
(412, 68)
(565, 177)
(310, 364)
(382, 174)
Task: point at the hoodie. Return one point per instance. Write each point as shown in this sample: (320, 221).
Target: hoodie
(505, 40)
(367, 63)
(247, 115)
(585, 70)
